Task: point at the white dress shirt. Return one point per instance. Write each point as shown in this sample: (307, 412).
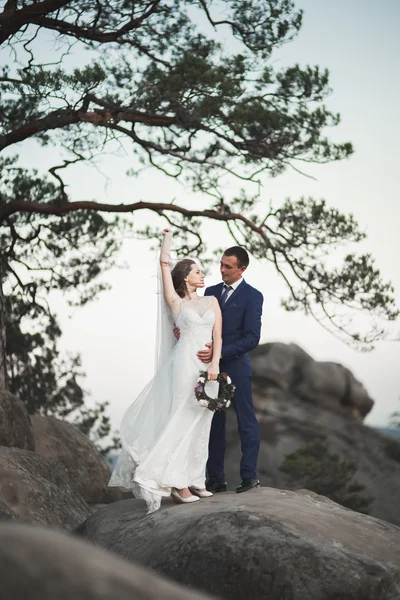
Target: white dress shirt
(234, 286)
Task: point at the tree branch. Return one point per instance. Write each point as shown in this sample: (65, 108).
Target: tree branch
(95, 35)
(11, 19)
(63, 194)
(59, 119)
(235, 26)
(159, 208)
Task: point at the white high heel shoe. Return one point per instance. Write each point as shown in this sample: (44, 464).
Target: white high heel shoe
(177, 498)
(201, 493)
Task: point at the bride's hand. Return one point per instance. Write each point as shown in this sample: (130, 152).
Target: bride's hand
(212, 372)
(165, 256)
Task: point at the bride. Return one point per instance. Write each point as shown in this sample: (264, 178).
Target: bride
(165, 432)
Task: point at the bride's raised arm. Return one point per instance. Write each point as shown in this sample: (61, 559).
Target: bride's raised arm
(171, 297)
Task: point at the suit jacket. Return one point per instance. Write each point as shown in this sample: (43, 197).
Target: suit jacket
(241, 327)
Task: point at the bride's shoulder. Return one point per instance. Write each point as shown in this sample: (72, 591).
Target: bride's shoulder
(206, 299)
(214, 303)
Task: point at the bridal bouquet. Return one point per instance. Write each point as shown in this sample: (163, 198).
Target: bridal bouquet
(225, 394)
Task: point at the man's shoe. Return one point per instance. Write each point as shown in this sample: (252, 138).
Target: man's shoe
(216, 486)
(247, 484)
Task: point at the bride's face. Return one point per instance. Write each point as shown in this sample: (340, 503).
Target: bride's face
(195, 278)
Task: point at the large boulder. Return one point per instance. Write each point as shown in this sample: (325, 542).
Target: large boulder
(79, 458)
(46, 565)
(6, 514)
(332, 386)
(37, 491)
(278, 364)
(287, 422)
(298, 400)
(15, 426)
(266, 543)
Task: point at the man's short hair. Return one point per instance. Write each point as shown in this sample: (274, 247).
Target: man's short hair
(241, 255)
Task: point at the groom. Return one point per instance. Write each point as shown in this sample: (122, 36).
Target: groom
(241, 307)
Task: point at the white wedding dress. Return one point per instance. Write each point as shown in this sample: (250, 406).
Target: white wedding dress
(165, 432)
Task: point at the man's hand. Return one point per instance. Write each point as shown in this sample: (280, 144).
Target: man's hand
(206, 355)
(177, 332)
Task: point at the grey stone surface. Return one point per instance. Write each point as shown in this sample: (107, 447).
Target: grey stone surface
(6, 514)
(327, 407)
(266, 543)
(37, 491)
(286, 422)
(72, 450)
(329, 385)
(38, 564)
(15, 425)
(278, 364)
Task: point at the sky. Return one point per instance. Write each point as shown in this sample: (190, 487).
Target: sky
(358, 42)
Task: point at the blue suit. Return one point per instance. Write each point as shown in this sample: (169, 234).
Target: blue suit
(241, 327)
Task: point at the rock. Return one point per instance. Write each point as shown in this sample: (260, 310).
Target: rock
(287, 422)
(6, 514)
(37, 491)
(298, 400)
(83, 464)
(323, 383)
(266, 543)
(358, 397)
(15, 425)
(332, 386)
(46, 565)
(278, 364)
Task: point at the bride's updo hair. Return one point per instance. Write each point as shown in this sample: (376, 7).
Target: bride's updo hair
(179, 272)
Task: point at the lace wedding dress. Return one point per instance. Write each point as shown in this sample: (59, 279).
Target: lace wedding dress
(165, 432)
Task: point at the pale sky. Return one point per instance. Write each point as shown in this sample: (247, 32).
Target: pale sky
(358, 42)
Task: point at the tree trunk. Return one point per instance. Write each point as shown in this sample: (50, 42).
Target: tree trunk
(3, 372)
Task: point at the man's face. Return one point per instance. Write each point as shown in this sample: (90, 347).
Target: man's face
(230, 271)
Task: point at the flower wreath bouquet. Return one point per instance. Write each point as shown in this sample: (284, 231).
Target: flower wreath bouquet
(225, 394)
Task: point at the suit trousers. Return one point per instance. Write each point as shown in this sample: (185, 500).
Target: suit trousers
(249, 433)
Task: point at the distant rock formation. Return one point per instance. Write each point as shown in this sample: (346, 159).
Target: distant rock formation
(297, 400)
(288, 369)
